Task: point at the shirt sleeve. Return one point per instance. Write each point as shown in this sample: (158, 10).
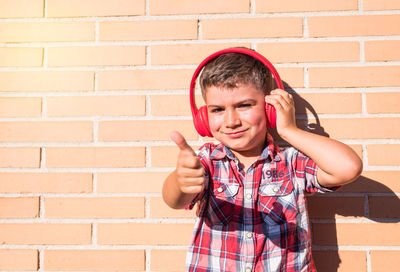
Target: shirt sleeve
(204, 155)
(306, 170)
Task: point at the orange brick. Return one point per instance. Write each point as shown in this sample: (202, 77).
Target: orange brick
(252, 28)
(19, 207)
(94, 260)
(158, 209)
(384, 206)
(148, 30)
(186, 53)
(20, 107)
(161, 105)
(359, 25)
(118, 105)
(144, 234)
(160, 7)
(103, 207)
(18, 32)
(328, 103)
(291, 76)
(377, 76)
(145, 79)
(144, 130)
(168, 260)
(158, 158)
(16, 157)
(82, 8)
(385, 260)
(310, 51)
(21, 9)
(381, 154)
(382, 50)
(374, 182)
(45, 234)
(45, 182)
(95, 157)
(365, 234)
(335, 207)
(46, 81)
(46, 131)
(19, 259)
(307, 5)
(135, 182)
(332, 261)
(21, 57)
(362, 128)
(96, 56)
(383, 102)
(386, 181)
(357, 149)
(381, 5)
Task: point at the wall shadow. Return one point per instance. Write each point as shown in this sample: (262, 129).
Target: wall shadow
(352, 200)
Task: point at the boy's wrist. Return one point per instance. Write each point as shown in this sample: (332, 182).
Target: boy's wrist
(288, 133)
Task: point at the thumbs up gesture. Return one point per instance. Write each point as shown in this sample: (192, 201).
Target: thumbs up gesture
(189, 171)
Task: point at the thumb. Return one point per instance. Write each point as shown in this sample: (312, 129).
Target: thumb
(180, 141)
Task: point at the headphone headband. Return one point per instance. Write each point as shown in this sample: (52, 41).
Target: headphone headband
(195, 110)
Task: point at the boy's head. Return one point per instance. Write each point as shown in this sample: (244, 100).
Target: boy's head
(231, 69)
(234, 86)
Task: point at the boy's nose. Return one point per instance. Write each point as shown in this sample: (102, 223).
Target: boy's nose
(232, 118)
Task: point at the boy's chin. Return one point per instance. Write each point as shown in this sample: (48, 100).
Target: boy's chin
(235, 148)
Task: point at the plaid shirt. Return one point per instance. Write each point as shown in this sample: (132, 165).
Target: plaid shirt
(254, 220)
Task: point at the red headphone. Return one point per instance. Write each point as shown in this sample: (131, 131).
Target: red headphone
(200, 116)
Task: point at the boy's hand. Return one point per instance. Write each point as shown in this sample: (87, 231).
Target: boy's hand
(189, 171)
(285, 111)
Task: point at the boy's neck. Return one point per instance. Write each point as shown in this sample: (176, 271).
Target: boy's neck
(246, 159)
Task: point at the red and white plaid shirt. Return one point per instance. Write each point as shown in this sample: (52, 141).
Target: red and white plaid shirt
(254, 220)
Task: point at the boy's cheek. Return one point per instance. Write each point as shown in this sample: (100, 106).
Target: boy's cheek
(215, 122)
(254, 117)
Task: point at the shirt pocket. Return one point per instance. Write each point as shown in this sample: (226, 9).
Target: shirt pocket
(222, 201)
(277, 202)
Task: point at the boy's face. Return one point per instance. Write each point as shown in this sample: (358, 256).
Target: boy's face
(237, 118)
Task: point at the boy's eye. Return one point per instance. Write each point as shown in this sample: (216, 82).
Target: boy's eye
(244, 105)
(216, 110)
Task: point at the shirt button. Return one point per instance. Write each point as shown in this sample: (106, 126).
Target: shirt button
(220, 190)
(276, 189)
(249, 235)
(248, 196)
(248, 269)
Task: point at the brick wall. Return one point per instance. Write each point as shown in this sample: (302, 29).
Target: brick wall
(91, 88)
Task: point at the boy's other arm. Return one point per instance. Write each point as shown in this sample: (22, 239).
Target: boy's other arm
(337, 163)
(187, 180)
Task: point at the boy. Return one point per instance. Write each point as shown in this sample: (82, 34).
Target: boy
(252, 210)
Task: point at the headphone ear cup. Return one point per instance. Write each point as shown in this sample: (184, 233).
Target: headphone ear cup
(270, 113)
(201, 122)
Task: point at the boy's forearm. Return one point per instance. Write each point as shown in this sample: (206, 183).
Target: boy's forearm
(172, 195)
(338, 162)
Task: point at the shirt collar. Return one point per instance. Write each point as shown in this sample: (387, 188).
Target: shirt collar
(271, 151)
(219, 152)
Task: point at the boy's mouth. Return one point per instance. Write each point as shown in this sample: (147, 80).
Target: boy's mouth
(235, 134)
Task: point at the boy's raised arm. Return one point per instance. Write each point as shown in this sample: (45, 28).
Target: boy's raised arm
(187, 180)
(337, 163)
